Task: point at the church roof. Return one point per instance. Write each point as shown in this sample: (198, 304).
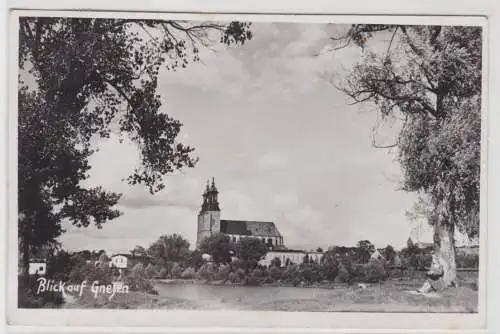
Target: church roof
(247, 227)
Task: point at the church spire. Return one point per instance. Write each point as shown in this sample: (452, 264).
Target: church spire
(210, 200)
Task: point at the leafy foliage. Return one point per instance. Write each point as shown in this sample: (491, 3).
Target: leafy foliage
(138, 251)
(81, 78)
(433, 79)
(90, 272)
(429, 76)
(389, 254)
(250, 251)
(275, 262)
(330, 265)
(169, 248)
(219, 246)
(375, 271)
(365, 248)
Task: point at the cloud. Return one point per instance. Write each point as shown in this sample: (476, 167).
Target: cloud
(139, 201)
(147, 201)
(280, 141)
(308, 37)
(272, 160)
(176, 195)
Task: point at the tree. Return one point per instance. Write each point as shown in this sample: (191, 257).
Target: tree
(275, 262)
(139, 251)
(431, 76)
(149, 271)
(138, 270)
(250, 251)
(169, 248)
(103, 260)
(410, 244)
(364, 251)
(219, 246)
(389, 254)
(194, 260)
(59, 265)
(330, 265)
(90, 75)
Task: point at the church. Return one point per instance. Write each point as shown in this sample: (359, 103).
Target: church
(209, 223)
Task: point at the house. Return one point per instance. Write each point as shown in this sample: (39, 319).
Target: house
(376, 255)
(119, 261)
(37, 267)
(468, 250)
(127, 261)
(424, 245)
(290, 255)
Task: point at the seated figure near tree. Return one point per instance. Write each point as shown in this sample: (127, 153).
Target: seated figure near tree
(434, 275)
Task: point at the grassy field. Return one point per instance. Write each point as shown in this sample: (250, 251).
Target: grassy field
(390, 296)
(386, 297)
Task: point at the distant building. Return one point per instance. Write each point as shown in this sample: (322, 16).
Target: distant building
(468, 250)
(127, 261)
(209, 223)
(119, 261)
(290, 255)
(424, 245)
(376, 255)
(37, 267)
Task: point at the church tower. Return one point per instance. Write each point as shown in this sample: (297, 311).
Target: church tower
(209, 216)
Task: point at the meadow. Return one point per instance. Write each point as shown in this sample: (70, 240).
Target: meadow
(392, 295)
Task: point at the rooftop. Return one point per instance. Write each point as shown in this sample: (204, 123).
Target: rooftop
(248, 227)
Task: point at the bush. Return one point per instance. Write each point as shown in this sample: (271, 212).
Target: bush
(189, 273)
(268, 280)
(207, 272)
(258, 272)
(162, 273)
(375, 272)
(138, 283)
(150, 271)
(234, 277)
(241, 273)
(60, 265)
(138, 271)
(251, 280)
(176, 270)
(395, 272)
(329, 266)
(310, 273)
(276, 262)
(467, 260)
(357, 272)
(291, 274)
(344, 276)
(91, 273)
(275, 273)
(222, 273)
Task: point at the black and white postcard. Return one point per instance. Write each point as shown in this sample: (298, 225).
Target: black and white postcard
(243, 167)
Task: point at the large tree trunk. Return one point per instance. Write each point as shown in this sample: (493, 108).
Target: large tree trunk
(444, 247)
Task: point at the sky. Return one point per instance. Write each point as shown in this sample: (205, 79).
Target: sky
(282, 143)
